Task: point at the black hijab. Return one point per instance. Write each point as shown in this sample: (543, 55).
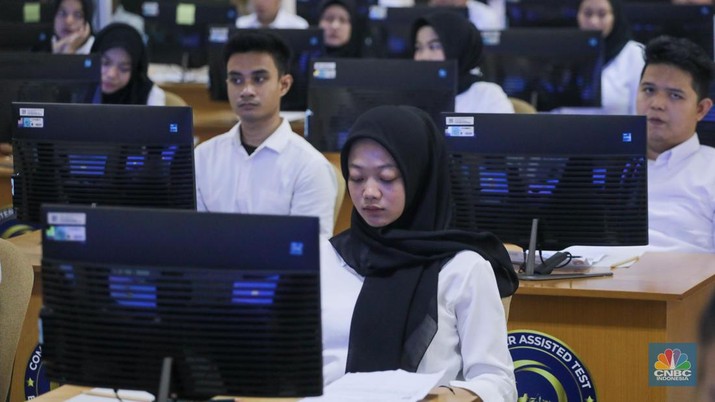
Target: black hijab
(460, 40)
(395, 316)
(620, 34)
(352, 47)
(128, 38)
(87, 9)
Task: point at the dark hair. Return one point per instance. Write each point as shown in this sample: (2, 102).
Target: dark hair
(87, 9)
(261, 41)
(685, 55)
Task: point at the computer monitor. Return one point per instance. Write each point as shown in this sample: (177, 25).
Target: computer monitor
(130, 155)
(176, 29)
(542, 13)
(45, 77)
(547, 67)
(26, 11)
(389, 29)
(305, 45)
(584, 177)
(340, 90)
(233, 300)
(24, 36)
(649, 20)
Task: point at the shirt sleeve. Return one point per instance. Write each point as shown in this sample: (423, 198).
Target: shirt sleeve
(481, 323)
(315, 194)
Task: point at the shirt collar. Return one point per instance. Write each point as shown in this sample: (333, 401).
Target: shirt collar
(679, 152)
(277, 141)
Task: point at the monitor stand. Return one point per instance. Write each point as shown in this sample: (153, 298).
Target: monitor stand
(530, 273)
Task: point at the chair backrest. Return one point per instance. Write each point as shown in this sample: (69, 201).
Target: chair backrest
(341, 192)
(521, 106)
(16, 278)
(173, 99)
(506, 302)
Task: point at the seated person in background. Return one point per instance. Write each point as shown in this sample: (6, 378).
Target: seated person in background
(400, 290)
(484, 17)
(706, 353)
(446, 36)
(336, 18)
(268, 14)
(261, 166)
(72, 30)
(623, 58)
(119, 14)
(124, 67)
(673, 95)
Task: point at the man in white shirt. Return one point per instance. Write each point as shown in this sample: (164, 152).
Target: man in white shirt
(261, 166)
(268, 14)
(673, 95)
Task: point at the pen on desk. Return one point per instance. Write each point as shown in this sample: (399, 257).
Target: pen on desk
(624, 262)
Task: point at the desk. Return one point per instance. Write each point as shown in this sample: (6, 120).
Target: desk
(5, 186)
(609, 322)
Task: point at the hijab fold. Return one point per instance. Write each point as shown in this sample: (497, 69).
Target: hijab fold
(124, 36)
(460, 41)
(395, 317)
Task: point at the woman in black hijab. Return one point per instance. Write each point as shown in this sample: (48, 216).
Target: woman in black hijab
(450, 36)
(400, 289)
(623, 58)
(341, 28)
(124, 67)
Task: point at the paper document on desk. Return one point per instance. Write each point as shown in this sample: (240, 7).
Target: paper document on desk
(379, 386)
(106, 394)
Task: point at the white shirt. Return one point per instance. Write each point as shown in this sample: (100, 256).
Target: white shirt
(619, 83)
(135, 20)
(284, 20)
(681, 199)
(157, 96)
(471, 339)
(285, 175)
(483, 97)
(484, 17)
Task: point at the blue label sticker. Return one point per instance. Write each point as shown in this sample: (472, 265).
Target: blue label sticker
(296, 248)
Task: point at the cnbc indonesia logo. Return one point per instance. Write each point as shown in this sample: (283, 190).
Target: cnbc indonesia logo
(672, 365)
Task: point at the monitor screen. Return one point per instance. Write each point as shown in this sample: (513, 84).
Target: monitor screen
(131, 155)
(176, 29)
(583, 177)
(340, 90)
(233, 300)
(305, 45)
(542, 13)
(389, 29)
(694, 22)
(547, 67)
(26, 11)
(23, 36)
(45, 77)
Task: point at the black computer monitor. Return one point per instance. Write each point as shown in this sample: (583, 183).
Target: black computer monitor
(547, 67)
(340, 90)
(24, 36)
(45, 77)
(131, 155)
(389, 29)
(26, 11)
(176, 29)
(694, 22)
(542, 13)
(305, 45)
(584, 177)
(233, 300)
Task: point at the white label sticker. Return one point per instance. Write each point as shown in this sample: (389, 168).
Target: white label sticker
(66, 233)
(325, 70)
(31, 122)
(459, 131)
(32, 111)
(460, 120)
(66, 218)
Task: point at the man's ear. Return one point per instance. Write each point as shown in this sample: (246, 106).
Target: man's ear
(285, 82)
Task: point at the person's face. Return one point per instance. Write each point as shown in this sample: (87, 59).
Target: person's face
(335, 22)
(596, 15)
(116, 70)
(706, 387)
(69, 18)
(451, 3)
(266, 10)
(375, 183)
(668, 100)
(254, 86)
(427, 45)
